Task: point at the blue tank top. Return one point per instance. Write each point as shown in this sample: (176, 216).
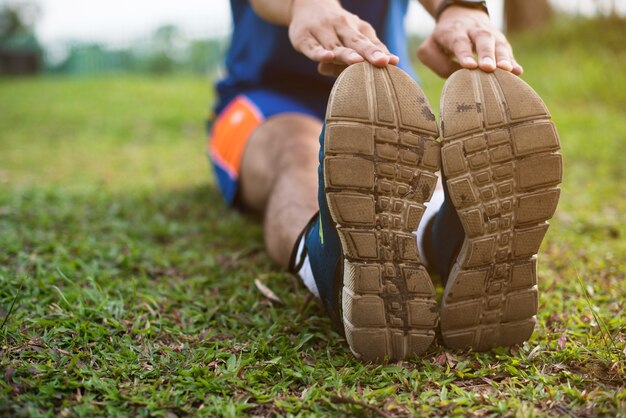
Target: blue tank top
(260, 55)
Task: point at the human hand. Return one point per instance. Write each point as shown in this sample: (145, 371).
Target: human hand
(335, 38)
(458, 34)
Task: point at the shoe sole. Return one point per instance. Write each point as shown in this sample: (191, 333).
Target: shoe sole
(379, 169)
(500, 162)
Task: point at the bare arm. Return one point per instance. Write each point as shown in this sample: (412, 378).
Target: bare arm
(276, 12)
(460, 32)
(326, 33)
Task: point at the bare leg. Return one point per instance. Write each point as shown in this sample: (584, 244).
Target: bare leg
(279, 178)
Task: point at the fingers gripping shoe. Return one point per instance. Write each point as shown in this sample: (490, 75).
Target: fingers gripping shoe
(378, 161)
(501, 171)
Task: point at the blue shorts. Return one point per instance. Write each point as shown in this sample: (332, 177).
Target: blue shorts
(233, 126)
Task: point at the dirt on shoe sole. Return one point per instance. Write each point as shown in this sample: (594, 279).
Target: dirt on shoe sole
(500, 162)
(380, 160)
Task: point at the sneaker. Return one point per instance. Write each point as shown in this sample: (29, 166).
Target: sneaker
(501, 169)
(378, 160)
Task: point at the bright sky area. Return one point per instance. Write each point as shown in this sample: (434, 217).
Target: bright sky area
(120, 21)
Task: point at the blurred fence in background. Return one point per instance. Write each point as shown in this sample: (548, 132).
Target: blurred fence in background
(168, 50)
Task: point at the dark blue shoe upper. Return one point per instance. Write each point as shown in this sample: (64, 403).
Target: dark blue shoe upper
(324, 250)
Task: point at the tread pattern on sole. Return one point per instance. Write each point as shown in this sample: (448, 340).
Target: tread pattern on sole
(379, 168)
(502, 169)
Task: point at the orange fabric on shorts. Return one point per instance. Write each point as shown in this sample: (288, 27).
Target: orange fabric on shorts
(231, 132)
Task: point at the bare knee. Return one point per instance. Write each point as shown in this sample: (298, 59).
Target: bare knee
(282, 144)
(300, 152)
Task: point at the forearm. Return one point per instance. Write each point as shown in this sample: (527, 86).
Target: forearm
(430, 6)
(279, 12)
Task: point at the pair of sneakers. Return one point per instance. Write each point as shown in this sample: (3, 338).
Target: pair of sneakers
(379, 163)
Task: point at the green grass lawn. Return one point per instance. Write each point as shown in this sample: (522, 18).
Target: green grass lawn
(127, 287)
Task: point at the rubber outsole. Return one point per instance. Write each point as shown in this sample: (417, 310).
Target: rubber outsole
(500, 162)
(379, 169)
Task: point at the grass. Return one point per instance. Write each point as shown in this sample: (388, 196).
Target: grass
(127, 287)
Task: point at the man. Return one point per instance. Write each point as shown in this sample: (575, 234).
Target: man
(346, 228)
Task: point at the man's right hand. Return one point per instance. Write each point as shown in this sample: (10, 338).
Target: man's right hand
(327, 33)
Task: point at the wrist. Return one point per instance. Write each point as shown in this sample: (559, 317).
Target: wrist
(296, 6)
(455, 12)
(467, 5)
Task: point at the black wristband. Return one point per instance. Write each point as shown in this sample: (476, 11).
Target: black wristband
(470, 4)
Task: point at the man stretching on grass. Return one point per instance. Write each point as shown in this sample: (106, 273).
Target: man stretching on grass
(340, 208)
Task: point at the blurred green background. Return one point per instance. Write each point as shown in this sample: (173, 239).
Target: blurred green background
(127, 287)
